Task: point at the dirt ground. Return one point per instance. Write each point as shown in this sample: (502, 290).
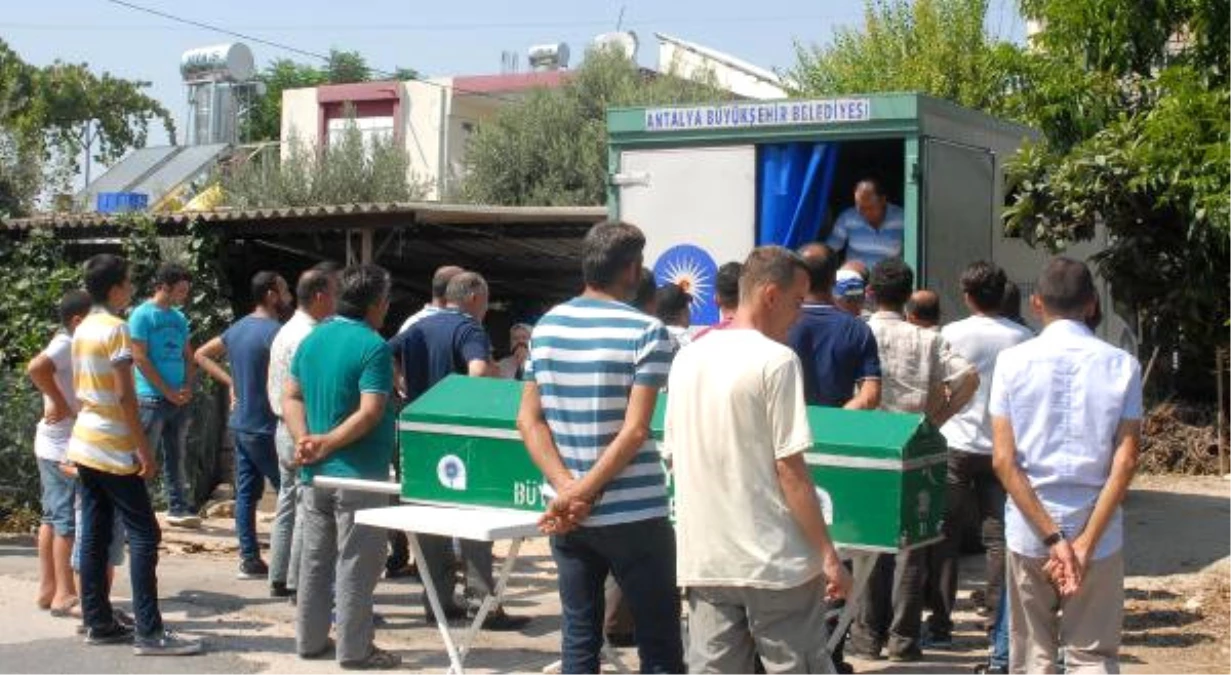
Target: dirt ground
(1176, 613)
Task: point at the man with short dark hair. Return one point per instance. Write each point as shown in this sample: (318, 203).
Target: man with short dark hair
(974, 493)
(596, 365)
(915, 378)
(736, 436)
(248, 343)
(336, 406)
(317, 293)
(872, 229)
(923, 309)
(113, 461)
(1066, 429)
(841, 365)
(440, 283)
(51, 371)
(453, 341)
(673, 306)
(1011, 304)
(726, 296)
(162, 353)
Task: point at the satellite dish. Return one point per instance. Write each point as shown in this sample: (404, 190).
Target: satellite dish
(625, 41)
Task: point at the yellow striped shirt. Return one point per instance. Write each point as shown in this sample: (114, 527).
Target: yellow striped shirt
(101, 437)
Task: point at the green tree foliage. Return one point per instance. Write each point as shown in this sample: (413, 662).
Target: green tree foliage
(265, 119)
(37, 269)
(343, 67)
(352, 170)
(1133, 101)
(551, 147)
(48, 114)
(936, 47)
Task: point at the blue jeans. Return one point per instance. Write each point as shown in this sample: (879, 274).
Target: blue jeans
(103, 496)
(1000, 631)
(641, 556)
(166, 427)
(59, 494)
(256, 459)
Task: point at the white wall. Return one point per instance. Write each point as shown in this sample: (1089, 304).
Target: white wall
(300, 118)
(424, 109)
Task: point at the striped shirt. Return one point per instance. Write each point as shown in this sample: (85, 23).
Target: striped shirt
(585, 357)
(101, 437)
(865, 243)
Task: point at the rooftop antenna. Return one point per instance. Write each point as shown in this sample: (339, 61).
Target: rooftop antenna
(620, 19)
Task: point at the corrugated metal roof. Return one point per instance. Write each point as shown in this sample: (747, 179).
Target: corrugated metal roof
(347, 216)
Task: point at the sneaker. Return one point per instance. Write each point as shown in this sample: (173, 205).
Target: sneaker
(402, 572)
(498, 620)
(115, 634)
(989, 669)
(185, 520)
(452, 613)
(167, 643)
(121, 618)
(379, 659)
(253, 569)
(843, 668)
(937, 641)
(278, 589)
(908, 656)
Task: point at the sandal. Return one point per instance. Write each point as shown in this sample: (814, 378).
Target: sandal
(379, 659)
(66, 611)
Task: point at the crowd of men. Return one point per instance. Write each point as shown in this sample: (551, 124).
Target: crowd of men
(1050, 420)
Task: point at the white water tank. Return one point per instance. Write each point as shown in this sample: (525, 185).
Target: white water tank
(624, 41)
(232, 62)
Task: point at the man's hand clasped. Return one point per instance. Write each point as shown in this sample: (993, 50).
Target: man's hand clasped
(566, 512)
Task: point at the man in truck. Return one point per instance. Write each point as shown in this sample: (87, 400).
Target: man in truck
(871, 230)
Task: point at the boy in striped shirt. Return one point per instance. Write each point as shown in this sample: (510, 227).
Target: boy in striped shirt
(592, 379)
(113, 460)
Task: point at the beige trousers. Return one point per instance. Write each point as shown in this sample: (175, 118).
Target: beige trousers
(1087, 625)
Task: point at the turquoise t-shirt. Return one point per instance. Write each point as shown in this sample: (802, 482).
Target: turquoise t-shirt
(334, 365)
(164, 332)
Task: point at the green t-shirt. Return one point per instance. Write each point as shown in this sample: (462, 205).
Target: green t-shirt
(337, 362)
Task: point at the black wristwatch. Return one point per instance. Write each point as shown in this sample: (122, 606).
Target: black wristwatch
(1054, 538)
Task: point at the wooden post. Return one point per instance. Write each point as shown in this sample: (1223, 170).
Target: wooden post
(365, 246)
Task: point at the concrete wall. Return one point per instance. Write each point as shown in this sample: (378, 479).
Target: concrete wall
(300, 118)
(424, 109)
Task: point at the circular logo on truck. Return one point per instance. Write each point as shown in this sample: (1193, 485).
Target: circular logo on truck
(451, 472)
(692, 269)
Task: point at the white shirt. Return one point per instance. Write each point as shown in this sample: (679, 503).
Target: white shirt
(978, 340)
(428, 310)
(865, 243)
(51, 440)
(1065, 393)
(282, 352)
(736, 407)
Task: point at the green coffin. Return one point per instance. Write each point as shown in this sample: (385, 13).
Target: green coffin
(880, 476)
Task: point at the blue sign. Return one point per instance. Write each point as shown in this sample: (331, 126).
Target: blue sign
(691, 268)
(752, 115)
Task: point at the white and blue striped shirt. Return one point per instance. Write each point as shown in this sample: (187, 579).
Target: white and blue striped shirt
(865, 243)
(585, 357)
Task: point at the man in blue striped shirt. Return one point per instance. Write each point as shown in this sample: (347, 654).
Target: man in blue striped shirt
(872, 229)
(595, 368)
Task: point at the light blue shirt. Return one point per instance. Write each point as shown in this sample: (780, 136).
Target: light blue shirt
(867, 244)
(1065, 394)
(164, 332)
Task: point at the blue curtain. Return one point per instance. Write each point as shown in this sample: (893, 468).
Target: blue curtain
(795, 183)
